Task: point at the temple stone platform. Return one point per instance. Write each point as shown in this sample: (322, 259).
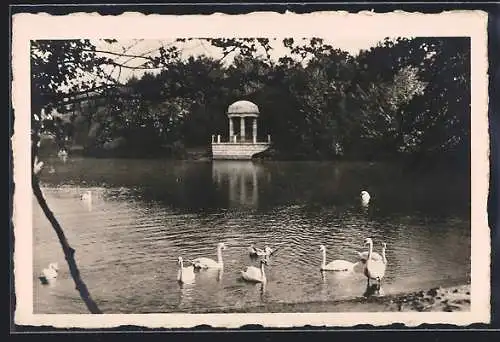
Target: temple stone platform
(237, 151)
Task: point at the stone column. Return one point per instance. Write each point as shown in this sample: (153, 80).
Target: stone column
(231, 128)
(254, 130)
(242, 128)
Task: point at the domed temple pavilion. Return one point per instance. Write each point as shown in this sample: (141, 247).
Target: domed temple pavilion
(242, 139)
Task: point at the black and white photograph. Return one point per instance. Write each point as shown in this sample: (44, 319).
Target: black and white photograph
(274, 169)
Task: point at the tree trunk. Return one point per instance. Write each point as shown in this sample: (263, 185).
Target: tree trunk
(68, 251)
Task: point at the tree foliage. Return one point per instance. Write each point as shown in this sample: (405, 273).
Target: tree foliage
(401, 97)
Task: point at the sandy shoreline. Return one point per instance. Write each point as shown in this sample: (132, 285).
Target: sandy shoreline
(437, 299)
(449, 299)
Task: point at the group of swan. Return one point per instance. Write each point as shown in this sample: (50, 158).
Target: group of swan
(370, 263)
(186, 274)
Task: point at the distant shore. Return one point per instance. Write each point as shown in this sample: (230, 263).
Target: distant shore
(203, 154)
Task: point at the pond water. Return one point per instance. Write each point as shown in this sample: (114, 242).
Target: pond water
(145, 213)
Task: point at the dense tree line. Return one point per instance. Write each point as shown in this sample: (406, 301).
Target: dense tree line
(403, 97)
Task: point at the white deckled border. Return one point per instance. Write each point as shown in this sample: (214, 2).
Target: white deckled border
(328, 25)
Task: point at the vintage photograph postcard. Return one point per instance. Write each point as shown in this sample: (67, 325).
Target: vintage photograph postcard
(327, 169)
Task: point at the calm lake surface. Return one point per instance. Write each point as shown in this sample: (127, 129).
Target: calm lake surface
(145, 213)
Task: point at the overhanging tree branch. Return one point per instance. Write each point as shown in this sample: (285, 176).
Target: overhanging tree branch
(139, 67)
(120, 54)
(69, 252)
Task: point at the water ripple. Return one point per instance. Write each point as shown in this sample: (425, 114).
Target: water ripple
(128, 240)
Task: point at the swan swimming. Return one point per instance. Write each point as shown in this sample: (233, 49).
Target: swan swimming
(363, 256)
(365, 198)
(49, 273)
(86, 196)
(374, 269)
(254, 274)
(184, 274)
(203, 263)
(335, 265)
(63, 155)
(256, 252)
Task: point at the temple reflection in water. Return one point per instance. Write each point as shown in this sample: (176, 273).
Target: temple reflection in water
(241, 178)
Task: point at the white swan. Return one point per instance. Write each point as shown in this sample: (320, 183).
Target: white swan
(269, 251)
(374, 269)
(62, 153)
(184, 274)
(37, 165)
(256, 252)
(202, 263)
(363, 256)
(365, 198)
(359, 267)
(254, 274)
(49, 273)
(86, 196)
(335, 265)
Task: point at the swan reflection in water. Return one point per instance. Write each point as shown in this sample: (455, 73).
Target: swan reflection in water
(352, 282)
(263, 292)
(86, 199)
(186, 280)
(257, 276)
(186, 295)
(255, 286)
(209, 274)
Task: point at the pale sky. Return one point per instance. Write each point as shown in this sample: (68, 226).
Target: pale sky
(197, 47)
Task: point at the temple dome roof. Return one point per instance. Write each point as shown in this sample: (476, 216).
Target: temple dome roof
(243, 107)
